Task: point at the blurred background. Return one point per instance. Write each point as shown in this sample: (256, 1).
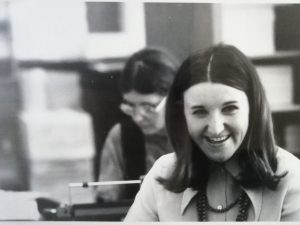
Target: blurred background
(59, 68)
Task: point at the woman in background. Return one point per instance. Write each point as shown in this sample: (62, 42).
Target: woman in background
(226, 165)
(132, 146)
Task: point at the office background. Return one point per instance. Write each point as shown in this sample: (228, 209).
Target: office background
(59, 68)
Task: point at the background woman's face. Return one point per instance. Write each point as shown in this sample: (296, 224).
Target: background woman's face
(217, 118)
(142, 109)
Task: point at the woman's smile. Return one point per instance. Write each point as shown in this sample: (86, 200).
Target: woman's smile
(217, 140)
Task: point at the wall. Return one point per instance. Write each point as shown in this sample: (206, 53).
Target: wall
(180, 28)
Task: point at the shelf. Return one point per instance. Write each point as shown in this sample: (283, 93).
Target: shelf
(108, 64)
(284, 116)
(54, 65)
(280, 57)
(286, 108)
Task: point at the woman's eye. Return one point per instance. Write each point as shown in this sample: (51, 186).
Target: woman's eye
(230, 109)
(127, 103)
(148, 107)
(200, 112)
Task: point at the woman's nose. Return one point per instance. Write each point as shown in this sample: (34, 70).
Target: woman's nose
(215, 125)
(137, 115)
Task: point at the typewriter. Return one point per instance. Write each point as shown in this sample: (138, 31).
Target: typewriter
(100, 211)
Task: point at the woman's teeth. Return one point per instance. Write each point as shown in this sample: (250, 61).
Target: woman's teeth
(217, 140)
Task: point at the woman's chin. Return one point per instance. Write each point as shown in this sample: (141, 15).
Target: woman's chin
(149, 130)
(220, 158)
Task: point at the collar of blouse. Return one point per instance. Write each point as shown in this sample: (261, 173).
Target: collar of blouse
(233, 169)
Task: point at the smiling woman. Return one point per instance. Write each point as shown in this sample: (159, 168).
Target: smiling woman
(226, 164)
(217, 118)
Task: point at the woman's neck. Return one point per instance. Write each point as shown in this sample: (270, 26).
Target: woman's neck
(222, 188)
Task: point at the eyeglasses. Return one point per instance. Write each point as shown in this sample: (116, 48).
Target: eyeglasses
(130, 108)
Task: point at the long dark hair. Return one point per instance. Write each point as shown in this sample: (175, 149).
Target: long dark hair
(257, 153)
(148, 71)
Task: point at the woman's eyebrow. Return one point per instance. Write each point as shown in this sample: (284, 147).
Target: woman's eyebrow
(230, 102)
(127, 102)
(140, 103)
(203, 107)
(197, 107)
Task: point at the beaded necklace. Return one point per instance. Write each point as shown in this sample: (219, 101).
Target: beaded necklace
(203, 207)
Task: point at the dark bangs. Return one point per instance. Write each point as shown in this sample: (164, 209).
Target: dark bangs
(230, 69)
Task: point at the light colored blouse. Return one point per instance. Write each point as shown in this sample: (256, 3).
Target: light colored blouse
(112, 165)
(155, 203)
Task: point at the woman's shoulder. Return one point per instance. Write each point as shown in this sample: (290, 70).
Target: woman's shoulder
(166, 159)
(164, 165)
(289, 185)
(115, 130)
(114, 134)
(287, 162)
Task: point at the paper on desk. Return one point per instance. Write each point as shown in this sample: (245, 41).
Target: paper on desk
(18, 205)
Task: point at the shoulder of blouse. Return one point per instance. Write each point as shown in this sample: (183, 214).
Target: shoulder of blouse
(114, 134)
(115, 130)
(112, 144)
(164, 165)
(287, 162)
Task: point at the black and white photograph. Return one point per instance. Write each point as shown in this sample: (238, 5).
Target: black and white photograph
(149, 111)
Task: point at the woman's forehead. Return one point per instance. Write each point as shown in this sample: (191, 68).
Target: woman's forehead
(208, 93)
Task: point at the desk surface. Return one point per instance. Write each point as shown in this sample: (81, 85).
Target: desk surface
(19, 205)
